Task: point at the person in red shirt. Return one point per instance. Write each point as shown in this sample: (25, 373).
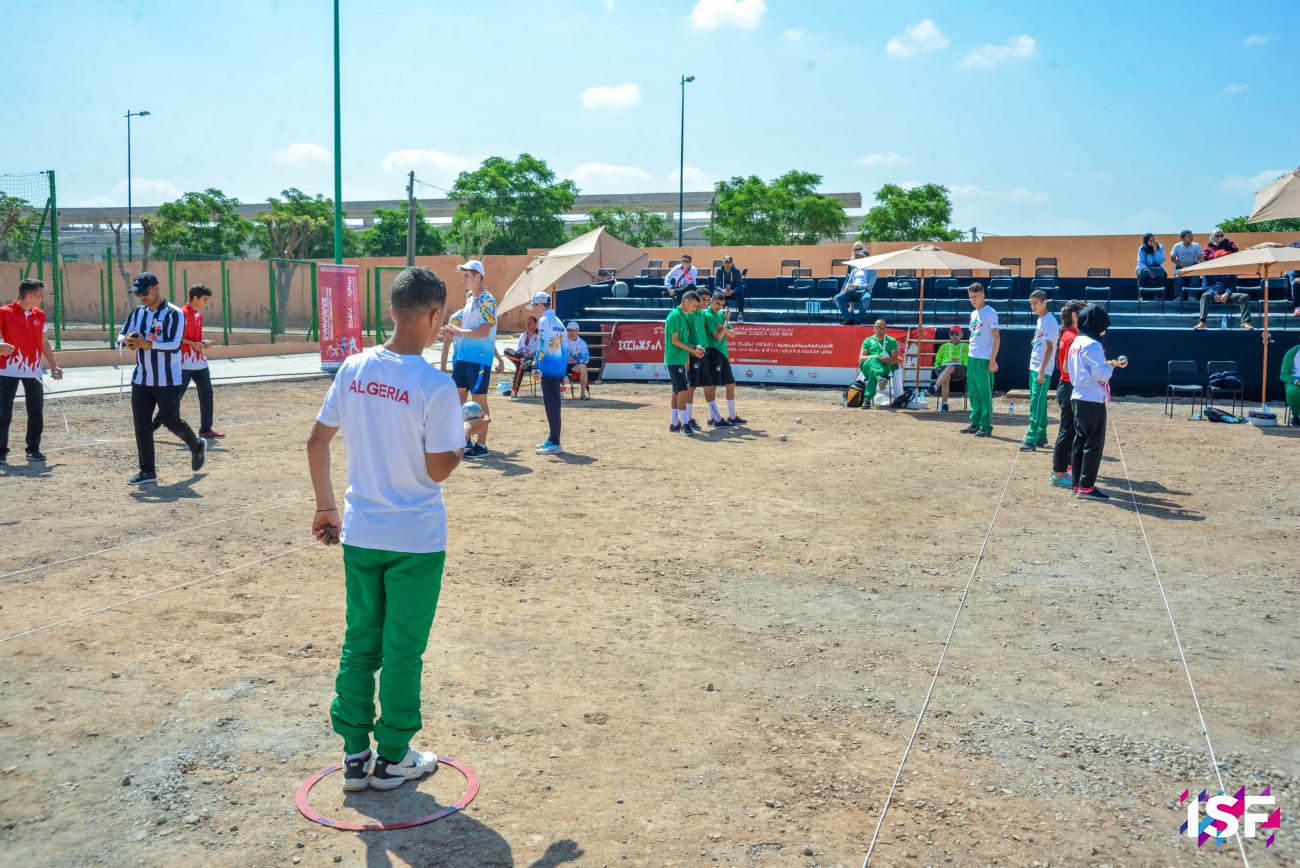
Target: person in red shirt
(1065, 436)
(194, 362)
(23, 342)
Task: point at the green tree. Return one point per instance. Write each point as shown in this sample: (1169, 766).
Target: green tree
(920, 214)
(297, 226)
(522, 197)
(388, 236)
(473, 235)
(205, 223)
(638, 227)
(18, 224)
(789, 210)
(1239, 224)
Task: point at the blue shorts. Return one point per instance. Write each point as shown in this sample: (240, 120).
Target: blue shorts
(471, 376)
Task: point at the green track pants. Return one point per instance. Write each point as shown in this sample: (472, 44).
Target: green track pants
(391, 600)
(1037, 408)
(979, 389)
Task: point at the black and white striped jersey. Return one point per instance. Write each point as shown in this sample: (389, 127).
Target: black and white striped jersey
(160, 366)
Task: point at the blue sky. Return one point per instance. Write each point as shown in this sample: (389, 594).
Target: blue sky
(1100, 117)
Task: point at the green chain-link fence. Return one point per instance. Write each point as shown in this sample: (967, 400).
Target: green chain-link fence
(29, 240)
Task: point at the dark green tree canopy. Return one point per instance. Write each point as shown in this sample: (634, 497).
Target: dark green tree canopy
(638, 227)
(522, 197)
(18, 223)
(1239, 224)
(201, 223)
(787, 211)
(388, 236)
(298, 226)
(920, 214)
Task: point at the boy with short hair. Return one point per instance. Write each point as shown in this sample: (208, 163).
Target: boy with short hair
(552, 364)
(23, 343)
(1042, 362)
(682, 352)
(985, 340)
(404, 435)
(194, 361)
(717, 328)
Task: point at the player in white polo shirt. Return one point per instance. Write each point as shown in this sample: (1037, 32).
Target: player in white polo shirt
(404, 435)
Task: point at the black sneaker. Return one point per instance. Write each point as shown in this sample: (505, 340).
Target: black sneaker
(1092, 494)
(688, 430)
(985, 434)
(1043, 444)
(478, 451)
(675, 428)
(970, 429)
(4, 458)
(35, 455)
(356, 772)
(198, 455)
(721, 423)
(1027, 447)
(736, 420)
(143, 478)
(695, 426)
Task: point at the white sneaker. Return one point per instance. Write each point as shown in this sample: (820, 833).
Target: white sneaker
(549, 448)
(390, 776)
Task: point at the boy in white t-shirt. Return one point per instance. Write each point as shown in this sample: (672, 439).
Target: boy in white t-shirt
(403, 431)
(1042, 362)
(985, 340)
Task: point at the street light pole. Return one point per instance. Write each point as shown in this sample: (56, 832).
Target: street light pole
(338, 148)
(681, 169)
(129, 238)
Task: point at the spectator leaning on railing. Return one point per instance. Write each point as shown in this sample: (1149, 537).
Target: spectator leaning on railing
(1151, 259)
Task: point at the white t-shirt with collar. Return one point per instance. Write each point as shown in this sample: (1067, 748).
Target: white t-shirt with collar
(393, 409)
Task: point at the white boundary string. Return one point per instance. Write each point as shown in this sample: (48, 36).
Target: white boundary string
(925, 704)
(137, 542)
(227, 570)
(1173, 625)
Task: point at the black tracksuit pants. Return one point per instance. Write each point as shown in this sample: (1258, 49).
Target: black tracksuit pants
(34, 397)
(203, 383)
(166, 400)
(1065, 433)
(1089, 440)
(551, 398)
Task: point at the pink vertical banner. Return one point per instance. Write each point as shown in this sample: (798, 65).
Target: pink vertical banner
(339, 298)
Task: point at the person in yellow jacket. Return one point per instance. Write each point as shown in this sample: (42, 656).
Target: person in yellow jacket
(949, 365)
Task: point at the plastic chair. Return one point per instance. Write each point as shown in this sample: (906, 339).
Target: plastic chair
(1153, 289)
(1097, 293)
(1045, 271)
(1045, 261)
(837, 262)
(1047, 285)
(1182, 380)
(962, 274)
(717, 263)
(655, 263)
(1098, 272)
(906, 289)
(1010, 262)
(788, 263)
(1235, 393)
(946, 290)
(801, 272)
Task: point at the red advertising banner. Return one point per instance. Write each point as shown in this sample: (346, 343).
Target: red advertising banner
(339, 300)
(766, 353)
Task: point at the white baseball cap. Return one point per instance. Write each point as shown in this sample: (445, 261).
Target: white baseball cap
(541, 298)
(472, 265)
(573, 326)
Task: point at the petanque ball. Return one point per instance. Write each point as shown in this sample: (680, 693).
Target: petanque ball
(470, 411)
(785, 437)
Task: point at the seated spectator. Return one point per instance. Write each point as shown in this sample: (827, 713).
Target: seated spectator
(730, 281)
(1220, 294)
(523, 354)
(1220, 245)
(1291, 377)
(682, 277)
(1183, 254)
(879, 363)
(1293, 283)
(577, 355)
(1151, 261)
(857, 288)
(949, 365)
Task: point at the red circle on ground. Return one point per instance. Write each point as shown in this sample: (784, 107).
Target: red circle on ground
(304, 790)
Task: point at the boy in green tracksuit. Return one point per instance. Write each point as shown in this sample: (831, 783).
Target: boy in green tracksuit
(1291, 376)
(878, 360)
(1042, 362)
(985, 340)
(404, 435)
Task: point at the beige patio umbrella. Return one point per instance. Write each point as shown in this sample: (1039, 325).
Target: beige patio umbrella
(1255, 261)
(922, 258)
(572, 264)
(1278, 200)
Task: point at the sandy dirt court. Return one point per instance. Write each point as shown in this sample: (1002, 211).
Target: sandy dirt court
(662, 651)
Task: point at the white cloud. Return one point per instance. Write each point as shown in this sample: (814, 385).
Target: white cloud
(1255, 39)
(1016, 48)
(426, 160)
(1016, 196)
(796, 35)
(608, 178)
(618, 96)
(889, 159)
(920, 38)
(1233, 89)
(696, 179)
(712, 14)
(1242, 184)
(149, 189)
(302, 154)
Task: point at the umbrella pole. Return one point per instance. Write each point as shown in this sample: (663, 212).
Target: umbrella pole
(1263, 387)
(920, 318)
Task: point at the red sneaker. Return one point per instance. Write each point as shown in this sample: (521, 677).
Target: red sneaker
(211, 435)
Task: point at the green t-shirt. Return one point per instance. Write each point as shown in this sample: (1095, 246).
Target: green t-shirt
(873, 347)
(952, 354)
(678, 323)
(713, 321)
(697, 328)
